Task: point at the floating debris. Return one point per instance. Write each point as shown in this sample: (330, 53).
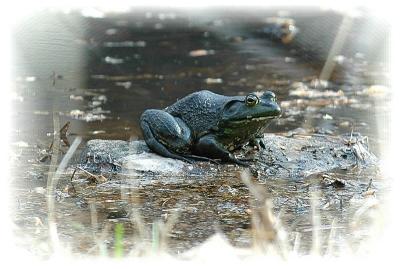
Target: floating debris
(91, 13)
(158, 26)
(359, 55)
(99, 76)
(40, 190)
(376, 91)
(236, 39)
(111, 31)
(319, 83)
(164, 16)
(250, 67)
(290, 60)
(30, 79)
(344, 124)
(281, 82)
(363, 106)
(20, 144)
(218, 22)
(339, 59)
(311, 93)
(94, 115)
(96, 132)
(97, 101)
(111, 60)
(283, 29)
(327, 117)
(76, 113)
(76, 97)
(121, 44)
(125, 84)
(101, 98)
(213, 80)
(201, 52)
(43, 113)
(16, 97)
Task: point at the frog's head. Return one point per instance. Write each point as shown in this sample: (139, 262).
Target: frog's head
(253, 109)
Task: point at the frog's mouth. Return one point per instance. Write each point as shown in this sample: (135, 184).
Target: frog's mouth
(254, 119)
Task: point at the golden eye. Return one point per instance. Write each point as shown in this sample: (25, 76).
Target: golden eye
(252, 100)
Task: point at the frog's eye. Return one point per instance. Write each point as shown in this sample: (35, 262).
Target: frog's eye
(269, 95)
(252, 100)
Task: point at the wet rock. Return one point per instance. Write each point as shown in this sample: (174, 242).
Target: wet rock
(106, 155)
(284, 157)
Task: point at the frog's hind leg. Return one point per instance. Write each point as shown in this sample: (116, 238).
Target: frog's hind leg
(162, 131)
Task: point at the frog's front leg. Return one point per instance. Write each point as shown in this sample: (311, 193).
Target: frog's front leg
(166, 135)
(208, 146)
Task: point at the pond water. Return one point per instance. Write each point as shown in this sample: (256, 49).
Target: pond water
(101, 73)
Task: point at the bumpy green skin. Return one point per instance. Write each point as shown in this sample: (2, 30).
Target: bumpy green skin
(208, 126)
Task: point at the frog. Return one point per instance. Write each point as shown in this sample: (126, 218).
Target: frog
(206, 126)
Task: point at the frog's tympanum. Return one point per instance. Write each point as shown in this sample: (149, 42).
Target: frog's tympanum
(209, 126)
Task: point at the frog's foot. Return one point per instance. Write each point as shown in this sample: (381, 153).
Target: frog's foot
(248, 160)
(258, 143)
(242, 162)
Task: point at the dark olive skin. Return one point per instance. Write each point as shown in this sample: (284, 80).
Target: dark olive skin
(209, 126)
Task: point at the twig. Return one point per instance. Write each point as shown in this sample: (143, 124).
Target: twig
(63, 133)
(72, 184)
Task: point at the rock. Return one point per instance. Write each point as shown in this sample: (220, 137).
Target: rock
(146, 161)
(293, 157)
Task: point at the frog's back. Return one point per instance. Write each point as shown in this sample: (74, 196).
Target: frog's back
(199, 110)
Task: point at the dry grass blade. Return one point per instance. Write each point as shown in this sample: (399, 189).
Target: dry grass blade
(165, 228)
(50, 188)
(102, 248)
(52, 182)
(296, 245)
(316, 224)
(336, 48)
(268, 234)
(331, 238)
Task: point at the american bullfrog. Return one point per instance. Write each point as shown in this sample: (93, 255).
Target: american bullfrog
(209, 126)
